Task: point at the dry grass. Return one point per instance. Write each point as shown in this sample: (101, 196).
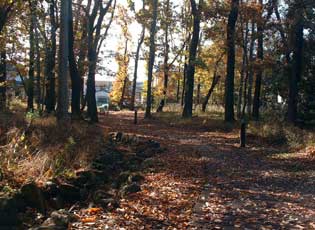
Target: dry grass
(39, 149)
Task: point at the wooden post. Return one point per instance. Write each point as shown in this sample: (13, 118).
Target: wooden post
(243, 134)
(136, 117)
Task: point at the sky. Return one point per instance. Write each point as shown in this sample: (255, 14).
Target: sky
(111, 43)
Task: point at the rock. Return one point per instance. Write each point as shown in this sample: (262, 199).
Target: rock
(50, 189)
(33, 196)
(69, 193)
(108, 158)
(129, 189)
(58, 220)
(8, 212)
(56, 203)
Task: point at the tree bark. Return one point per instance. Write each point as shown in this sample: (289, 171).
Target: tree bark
(166, 66)
(3, 78)
(260, 56)
(189, 88)
(151, 60)
(4, 13)
(297, 67)
(38, 71)
(74, 73)
(215, 81)
(122, 98)
(30, 88)
(50, 61)
(63, 100)
(229, 82)
(135, 74)
(94, 36)
(244, 64)
(250, 71)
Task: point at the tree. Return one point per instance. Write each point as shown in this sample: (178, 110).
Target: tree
(30, 88)
(74, 72)
(63, 100)
(135, 75)
(3, 78)
(189, 88)
(50, 58)
(295, 77)
(95, 20)
(229, 81)
(151, 59)
(167, 15)
(6, 7)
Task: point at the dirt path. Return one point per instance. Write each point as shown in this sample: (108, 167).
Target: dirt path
(204, 181)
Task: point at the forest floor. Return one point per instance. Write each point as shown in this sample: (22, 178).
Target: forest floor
(203, 180)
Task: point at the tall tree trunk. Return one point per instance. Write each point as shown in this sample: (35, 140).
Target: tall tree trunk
(189, 89)
(74, 73)
(122, 98)
(260, 56)
(184, 78)
(244, 64)
(250, 70)
(94, 36)
(135, 74)
(198, 92)
(38, 71)
(50, 61)
(215, 81)
(297, 67)
(229, 82)
(3, 78)
(81, 60)
(63, 100)
(151, 59)
(30, 88)
(4, 13)
(166, 66)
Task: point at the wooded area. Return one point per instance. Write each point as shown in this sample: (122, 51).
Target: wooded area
(105, 103)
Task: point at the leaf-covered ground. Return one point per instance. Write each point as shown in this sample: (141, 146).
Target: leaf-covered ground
(205, 181)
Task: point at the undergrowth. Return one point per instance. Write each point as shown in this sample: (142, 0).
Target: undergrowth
(37, 148)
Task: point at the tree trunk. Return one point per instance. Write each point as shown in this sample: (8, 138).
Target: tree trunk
(3, 78)
(94, 35)
(260, 56)
(122, 98)
(297, 67)
(215, 81)
(50, 61)
(189, 89)
(184, 79)
(38, 71)
(178, 85)
(135, 75)
(151, 59)
(63, 100)
(250, 71)
(74, 73)
(229, 82)
(30, 88)
(4, 13)
(244, 64)
(166, 67)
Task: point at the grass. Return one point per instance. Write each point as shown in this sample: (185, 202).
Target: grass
(38, 148)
